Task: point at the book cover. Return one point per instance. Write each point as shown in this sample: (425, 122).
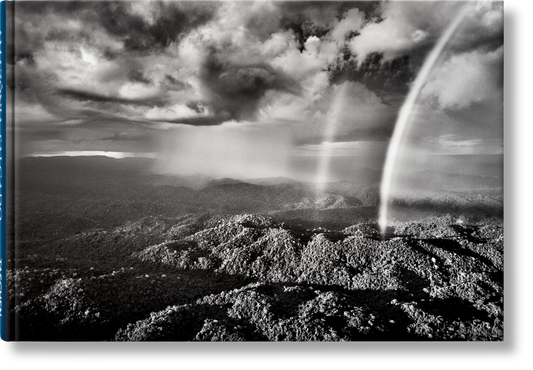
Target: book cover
(252, 171)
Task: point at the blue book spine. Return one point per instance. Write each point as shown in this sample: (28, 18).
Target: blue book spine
(3, 256)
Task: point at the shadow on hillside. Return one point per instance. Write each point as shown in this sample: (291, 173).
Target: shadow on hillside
(455, 247)
(122, 299)
(448, 245)
(307, 312)
(93, 309)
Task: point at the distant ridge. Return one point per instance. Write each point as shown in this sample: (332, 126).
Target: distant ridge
(363, 185)
(280, 180)
(457, 181)
(225, 181)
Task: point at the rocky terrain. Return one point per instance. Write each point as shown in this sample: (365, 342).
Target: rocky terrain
(284, 265)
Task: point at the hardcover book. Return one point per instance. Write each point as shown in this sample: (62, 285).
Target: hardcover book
(252, 171)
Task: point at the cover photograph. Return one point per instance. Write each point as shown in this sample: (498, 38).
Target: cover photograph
(252, 171)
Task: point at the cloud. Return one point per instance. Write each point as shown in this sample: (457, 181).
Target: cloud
(411, 27)
(33, 112)
(324, 14)
(301, 65)
(138, 76)
(384, 77)
(214, 120)
(465, 79)
(175, 112)
(91, 130)
(448, 144)
(175, 83)
(86, 96)
(137, 91)
(351, 22)
(170, 21)
(482, 28)
(237, 90)
(403, 27)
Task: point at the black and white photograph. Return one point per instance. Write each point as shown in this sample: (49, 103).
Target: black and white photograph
(257, 171)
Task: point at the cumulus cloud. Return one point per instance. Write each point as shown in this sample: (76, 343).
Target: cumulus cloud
(407, 27)
(465, 79)
(351, 22)
(403, 27)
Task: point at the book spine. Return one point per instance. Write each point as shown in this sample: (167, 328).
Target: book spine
(3, 256)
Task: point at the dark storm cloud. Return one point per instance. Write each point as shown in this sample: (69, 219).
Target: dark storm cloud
(200, 121)
(316, 18)
(25, 45)
(236, 91)
(382, 77)
(68, 36)
(175, 83)
(109, 54)
(84, 126)
(26, 42)
(311, 9)
(30, 14)
(323, 11)
(486, 43)
(138, 76)
(171, 21)
(46, 7)
(303, 29)
(21, 55)
(96, 133)
(42, 133)
(126, 136)
(197, 106)
(86, 96)
(96, 119)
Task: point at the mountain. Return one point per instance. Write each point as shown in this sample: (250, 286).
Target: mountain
(248, 277)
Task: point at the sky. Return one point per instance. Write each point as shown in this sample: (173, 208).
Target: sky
(256, 89)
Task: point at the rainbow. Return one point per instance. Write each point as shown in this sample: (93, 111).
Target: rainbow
(330, 130)
(404, 118)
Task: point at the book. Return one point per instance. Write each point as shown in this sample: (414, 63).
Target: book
(252, 171)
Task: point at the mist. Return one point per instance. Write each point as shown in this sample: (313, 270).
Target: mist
(239, 151)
